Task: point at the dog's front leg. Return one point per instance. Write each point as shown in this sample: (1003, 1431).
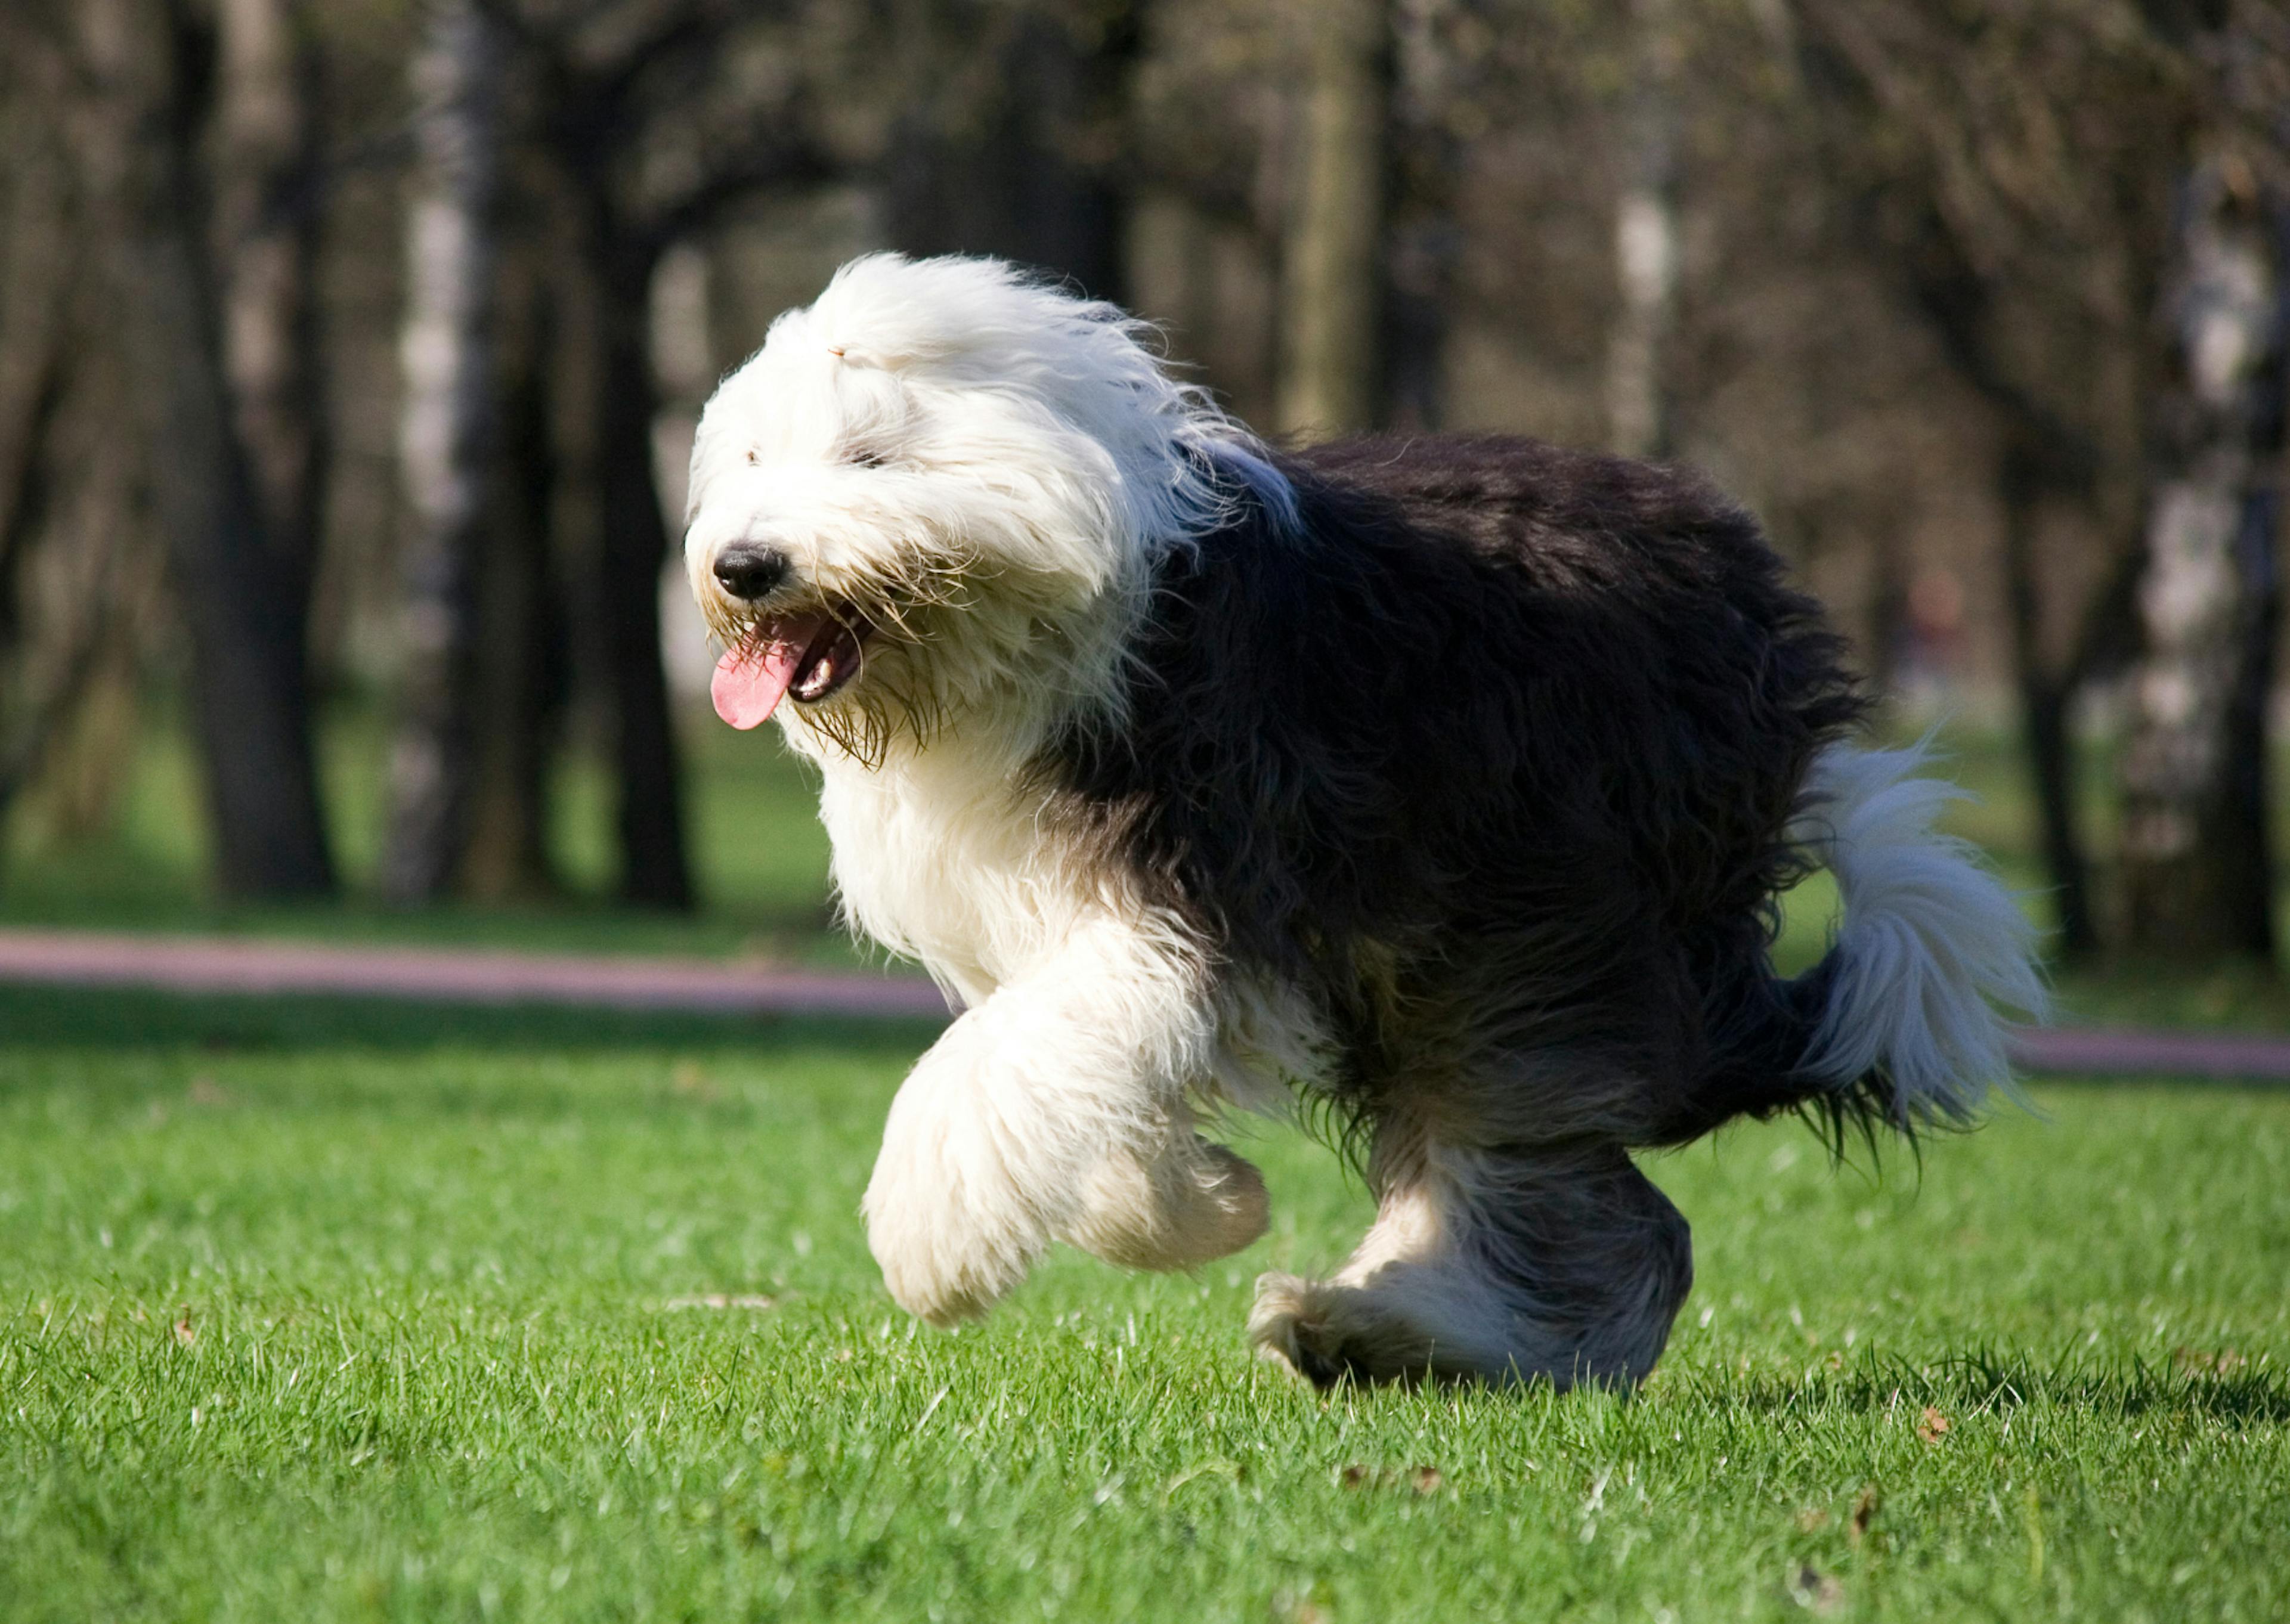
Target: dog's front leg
(1056, 1109)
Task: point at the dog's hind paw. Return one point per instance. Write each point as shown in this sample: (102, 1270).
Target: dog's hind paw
(1287, 1330)
(1328, 1333)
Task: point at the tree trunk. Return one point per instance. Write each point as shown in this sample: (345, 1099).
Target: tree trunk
(1428, 165)
(1332, 294)
(633, 549)
(2198, 867)
(244, 615)
(266, 221)
(521, 676)
(1645, 243)
(1165, 268)
(36, 274)
(31, 399)
(2043, 702)
(446, 439)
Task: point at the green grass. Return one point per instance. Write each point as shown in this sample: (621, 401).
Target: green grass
(318, 1311)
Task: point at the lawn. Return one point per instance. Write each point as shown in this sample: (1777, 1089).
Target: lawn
(318, 1311)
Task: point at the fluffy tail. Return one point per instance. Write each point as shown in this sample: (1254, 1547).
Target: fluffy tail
(1905, 1010)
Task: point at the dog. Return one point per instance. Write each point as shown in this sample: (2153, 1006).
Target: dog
(1438, 787)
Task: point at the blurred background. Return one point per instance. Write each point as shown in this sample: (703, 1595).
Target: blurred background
(349, 354)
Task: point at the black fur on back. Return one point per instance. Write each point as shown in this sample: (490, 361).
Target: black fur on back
(1492, 754)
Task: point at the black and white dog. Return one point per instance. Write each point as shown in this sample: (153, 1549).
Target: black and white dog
(1447, 782)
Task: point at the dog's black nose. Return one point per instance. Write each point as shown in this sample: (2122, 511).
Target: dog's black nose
(749, 571)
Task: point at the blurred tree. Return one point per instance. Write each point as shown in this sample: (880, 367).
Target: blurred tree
(240, 589)
(2199, 870)
(1433, 116)
(521, 677)
(2002, 155)
(1332, 266)
(446, 446)
(1889, 267)
(35, 315)
(1208, 140)
(267, 145)
(35, 307)
(1012, 143)
(1638, 386)
(653, 116)
(76, 577)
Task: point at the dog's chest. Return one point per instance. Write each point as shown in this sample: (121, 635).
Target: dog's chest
(945, 861)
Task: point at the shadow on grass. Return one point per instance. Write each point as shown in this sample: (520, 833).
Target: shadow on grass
(135, 1018)
(2204, 1383)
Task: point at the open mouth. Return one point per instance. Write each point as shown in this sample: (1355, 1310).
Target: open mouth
(807, 658)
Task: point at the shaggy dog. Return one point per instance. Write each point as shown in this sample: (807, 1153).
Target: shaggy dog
(1444, 783)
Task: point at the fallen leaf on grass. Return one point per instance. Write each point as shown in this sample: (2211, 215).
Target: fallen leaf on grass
(719, 1299)
(689, 1081)
(1812, 1520)
(1931, 1425)
(1423, 1479)
(207, 1091)
(1816, 1589)
(183, 1331)
(1316, 1605)
(1865, 1512)
(2194, 1361)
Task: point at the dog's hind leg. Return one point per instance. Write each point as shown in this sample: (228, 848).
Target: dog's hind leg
(1500, 1262)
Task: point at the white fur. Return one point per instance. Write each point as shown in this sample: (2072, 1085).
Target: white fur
(1030, 457)
(1931, 943)
(1057, 1109)
(1036, 457)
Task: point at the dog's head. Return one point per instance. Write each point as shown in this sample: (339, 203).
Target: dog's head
(940, 487)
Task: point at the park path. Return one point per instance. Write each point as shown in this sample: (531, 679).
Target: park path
(252, 966)
(210, 964)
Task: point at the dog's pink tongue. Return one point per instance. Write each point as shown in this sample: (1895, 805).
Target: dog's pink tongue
(751, 679)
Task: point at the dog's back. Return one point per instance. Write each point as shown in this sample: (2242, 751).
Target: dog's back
(1495, 750)
(1655, 608)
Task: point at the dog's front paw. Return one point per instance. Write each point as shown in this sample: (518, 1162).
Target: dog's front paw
(1194, 1203)
(935, 1269)
(947, 1224)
